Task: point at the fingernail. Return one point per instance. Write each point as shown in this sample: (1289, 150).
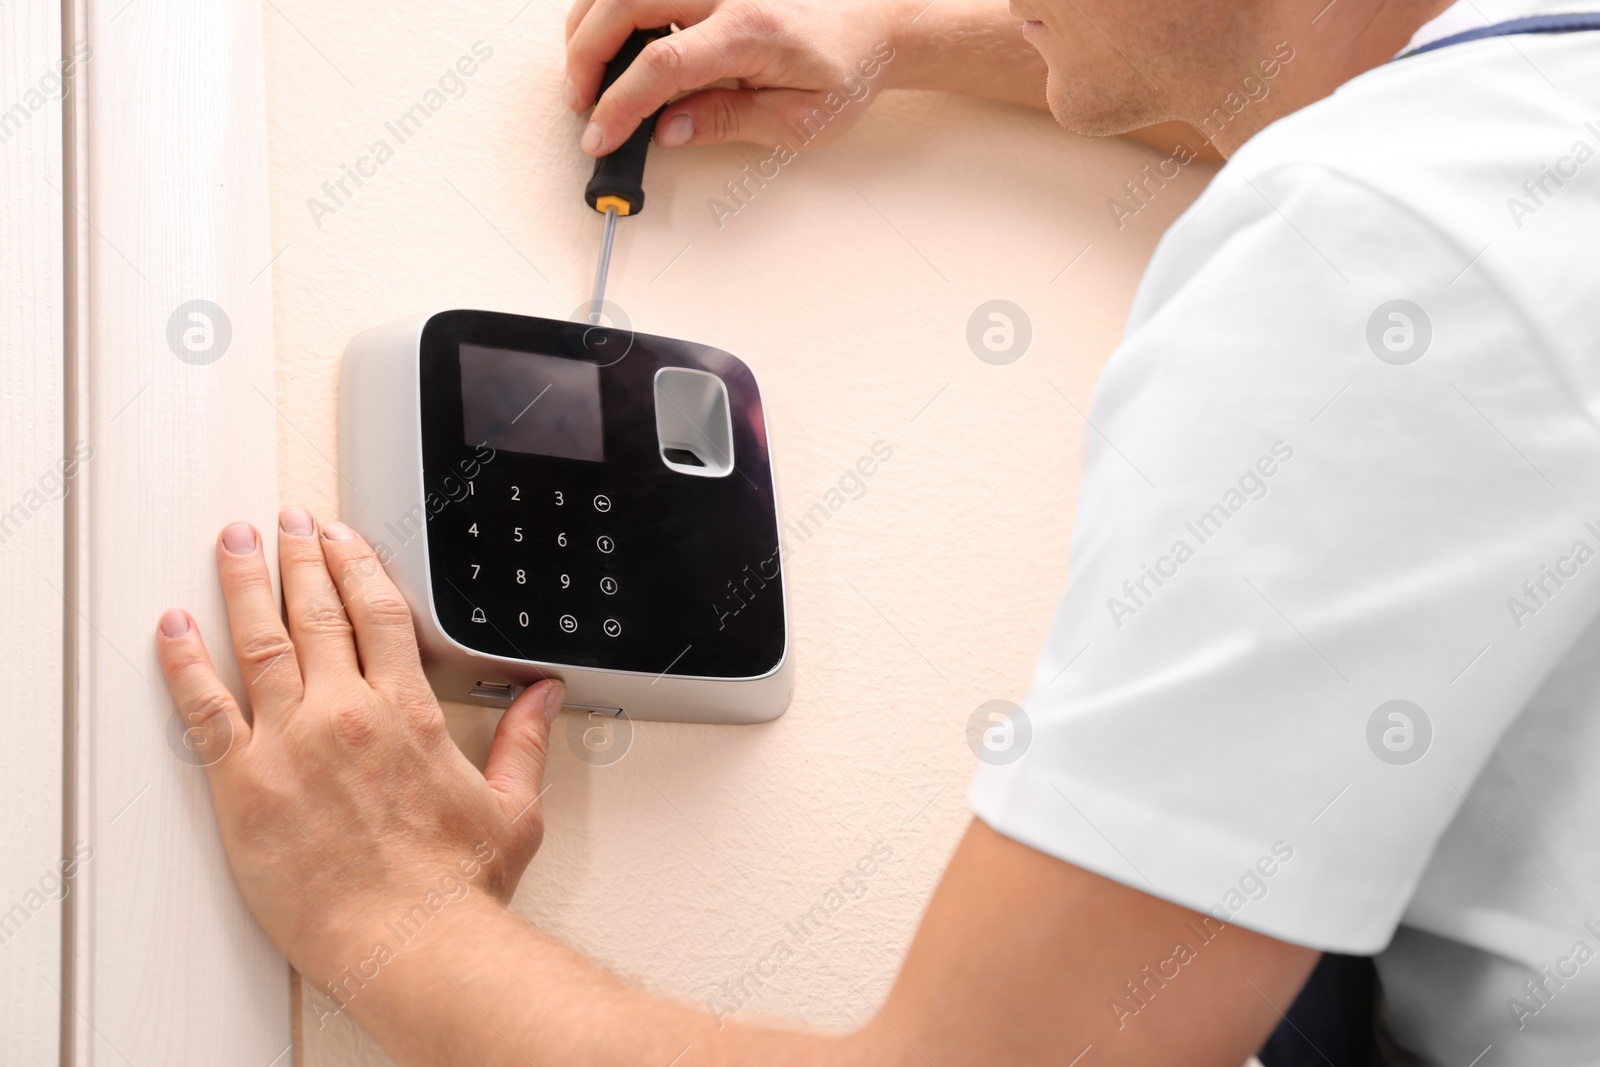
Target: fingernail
(338, 531)
(296, 520)
(676, 131)
(571, 92)
(554, 697)
(240, 539)
(592, 138)
(174, 623)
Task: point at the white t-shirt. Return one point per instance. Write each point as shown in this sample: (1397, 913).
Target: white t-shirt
(1328, 663)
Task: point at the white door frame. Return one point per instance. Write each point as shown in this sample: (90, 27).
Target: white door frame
(146, 190)
(32, 533)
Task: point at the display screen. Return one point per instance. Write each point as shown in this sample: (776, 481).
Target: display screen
(526, 402)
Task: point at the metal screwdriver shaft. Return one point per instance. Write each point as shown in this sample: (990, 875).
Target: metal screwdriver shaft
(598, 300)
(617, 185)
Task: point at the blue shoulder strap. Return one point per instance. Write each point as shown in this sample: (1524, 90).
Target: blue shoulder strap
(1572, 23)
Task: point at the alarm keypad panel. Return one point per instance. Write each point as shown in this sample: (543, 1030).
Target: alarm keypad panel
(584, 536)
(541, 558)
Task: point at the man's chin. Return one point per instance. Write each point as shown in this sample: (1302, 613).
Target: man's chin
(1084, 108)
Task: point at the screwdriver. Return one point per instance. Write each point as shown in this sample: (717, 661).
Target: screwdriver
(617, 185)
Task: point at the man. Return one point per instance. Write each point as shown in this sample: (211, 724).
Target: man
(1328, 658)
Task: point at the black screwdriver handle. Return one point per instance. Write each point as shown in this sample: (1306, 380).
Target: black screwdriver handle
(618, 179)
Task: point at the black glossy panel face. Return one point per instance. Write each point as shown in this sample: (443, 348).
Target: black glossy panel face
(614, 560)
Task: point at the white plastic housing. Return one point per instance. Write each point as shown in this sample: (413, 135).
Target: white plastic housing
(382, 497)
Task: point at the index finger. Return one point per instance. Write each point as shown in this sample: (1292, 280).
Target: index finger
(606, 24)
(385, 637)
(692, 59)
(575, 15)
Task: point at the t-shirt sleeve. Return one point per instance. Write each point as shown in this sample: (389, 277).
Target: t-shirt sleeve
(1338, 519)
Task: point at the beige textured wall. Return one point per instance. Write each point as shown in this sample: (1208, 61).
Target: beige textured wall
(846, 283)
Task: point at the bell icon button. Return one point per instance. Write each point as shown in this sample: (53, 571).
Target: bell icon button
(478, 616)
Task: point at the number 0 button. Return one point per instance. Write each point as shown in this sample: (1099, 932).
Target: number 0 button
(604, 543)
(608, 585)
(602, 503)
(612, 627)
(568, 623)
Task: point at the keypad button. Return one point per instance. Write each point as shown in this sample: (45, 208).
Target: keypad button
(602, 503)
(612, 627)
(569, 624)
(604, 543)
(608, 585)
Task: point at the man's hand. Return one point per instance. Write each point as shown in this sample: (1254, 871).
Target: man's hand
(798, 73)
(350, 819)
(344, 802)
(795, 73)
(785, 59)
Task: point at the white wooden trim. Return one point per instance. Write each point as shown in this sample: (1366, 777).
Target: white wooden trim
(32, 431)
(168, 967)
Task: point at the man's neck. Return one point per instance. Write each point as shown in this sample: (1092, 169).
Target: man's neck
(1348, 38)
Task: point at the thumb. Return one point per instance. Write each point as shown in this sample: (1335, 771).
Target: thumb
(515, 769)
(772, 117)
